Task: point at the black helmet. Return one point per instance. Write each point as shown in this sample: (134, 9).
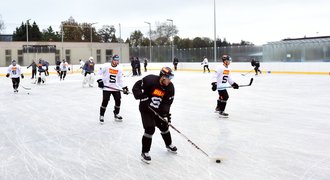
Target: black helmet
(166, 71)
(226, 57)
(115, 57)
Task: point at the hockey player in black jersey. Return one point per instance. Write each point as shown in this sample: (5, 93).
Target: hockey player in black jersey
(156, 92)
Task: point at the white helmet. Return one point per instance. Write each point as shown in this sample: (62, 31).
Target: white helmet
(91, 58)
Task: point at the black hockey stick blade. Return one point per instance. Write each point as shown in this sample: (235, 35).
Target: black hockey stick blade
(251, 81)
(244, 85)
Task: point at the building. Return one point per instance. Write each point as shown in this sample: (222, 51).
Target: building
(51, 51)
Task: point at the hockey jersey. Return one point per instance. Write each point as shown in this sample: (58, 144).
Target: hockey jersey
(222, 77)
(14, 71)
(157, 96)
(112, 77)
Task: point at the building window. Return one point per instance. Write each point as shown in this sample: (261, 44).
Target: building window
(98, 56)
(57, 55)
(108, 54)
(20, 57)
(68, 56)
(8, 57)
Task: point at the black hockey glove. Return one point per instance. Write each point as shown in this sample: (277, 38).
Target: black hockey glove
(167, 118)
(69, 68)
(235, 85)
(22, 76)
(100, 83)
(7, 75)
(125, 90)
(214, 86)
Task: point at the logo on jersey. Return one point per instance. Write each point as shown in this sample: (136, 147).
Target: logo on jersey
(226, 72)
(14, 68)
(113, 71)
(158, 92)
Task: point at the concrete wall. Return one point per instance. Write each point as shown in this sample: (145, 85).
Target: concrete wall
(78, 50)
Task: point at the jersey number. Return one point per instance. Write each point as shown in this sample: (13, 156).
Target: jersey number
(155, 102)
(224, 79)
(112, 79)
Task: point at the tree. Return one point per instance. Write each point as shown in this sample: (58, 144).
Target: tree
(136, 38)
(49, 35)
(2, 25)
(34, 33)
(164, 32)
(72, 31)
(107, 34)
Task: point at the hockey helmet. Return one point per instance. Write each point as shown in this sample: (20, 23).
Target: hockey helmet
(13, 61)
(167, 72)
(226, 58)
(115, 57)
(91, 58)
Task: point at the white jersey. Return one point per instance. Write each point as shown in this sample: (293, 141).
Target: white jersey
(14, 71)
(205, 62)
(82, 63)
(112, 77)
(64, 66)
(222, 76)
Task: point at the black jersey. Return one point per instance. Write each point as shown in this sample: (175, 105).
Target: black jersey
(153, 94)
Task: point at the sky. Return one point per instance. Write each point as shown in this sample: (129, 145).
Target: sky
(256, 21)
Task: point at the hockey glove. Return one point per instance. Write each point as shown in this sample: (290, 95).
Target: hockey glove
(125, 90)
(100, 83)
(69, 68)
(235, 85)
(7, 75)
(22, 76)
(167, 118)
(214, 86)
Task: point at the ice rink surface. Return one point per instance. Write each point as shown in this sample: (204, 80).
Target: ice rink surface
(279, 128)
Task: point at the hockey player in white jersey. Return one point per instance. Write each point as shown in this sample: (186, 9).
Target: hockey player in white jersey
(219, 82)
(15, 72)
(112, 83)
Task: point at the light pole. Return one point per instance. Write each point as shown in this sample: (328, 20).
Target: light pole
(92, 38)
(62, 29)
(215, 40)
(149, 40)
(121, 51)
(27, 39)
(172, 48)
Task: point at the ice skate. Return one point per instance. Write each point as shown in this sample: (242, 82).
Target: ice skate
(172, 149)
(118, 118)
(223, 114)
(101, 119)
(145, 157)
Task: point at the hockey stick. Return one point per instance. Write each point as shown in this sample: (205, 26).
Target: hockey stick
(117, 89)
(247, 73)
(26, 88)
(245, 85)
(192, 143)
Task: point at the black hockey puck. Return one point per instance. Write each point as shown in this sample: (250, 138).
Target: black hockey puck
(218, 161)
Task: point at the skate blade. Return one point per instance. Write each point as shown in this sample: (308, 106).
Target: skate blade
(145, 161)
(118, 120)
(173, 152)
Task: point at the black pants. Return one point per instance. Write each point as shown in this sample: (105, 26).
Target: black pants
(256, 69)
(150, 121)
(106, 97)
(34, 73)
(206, 67)
(222, 101)
(15, 82)
(63, 74)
